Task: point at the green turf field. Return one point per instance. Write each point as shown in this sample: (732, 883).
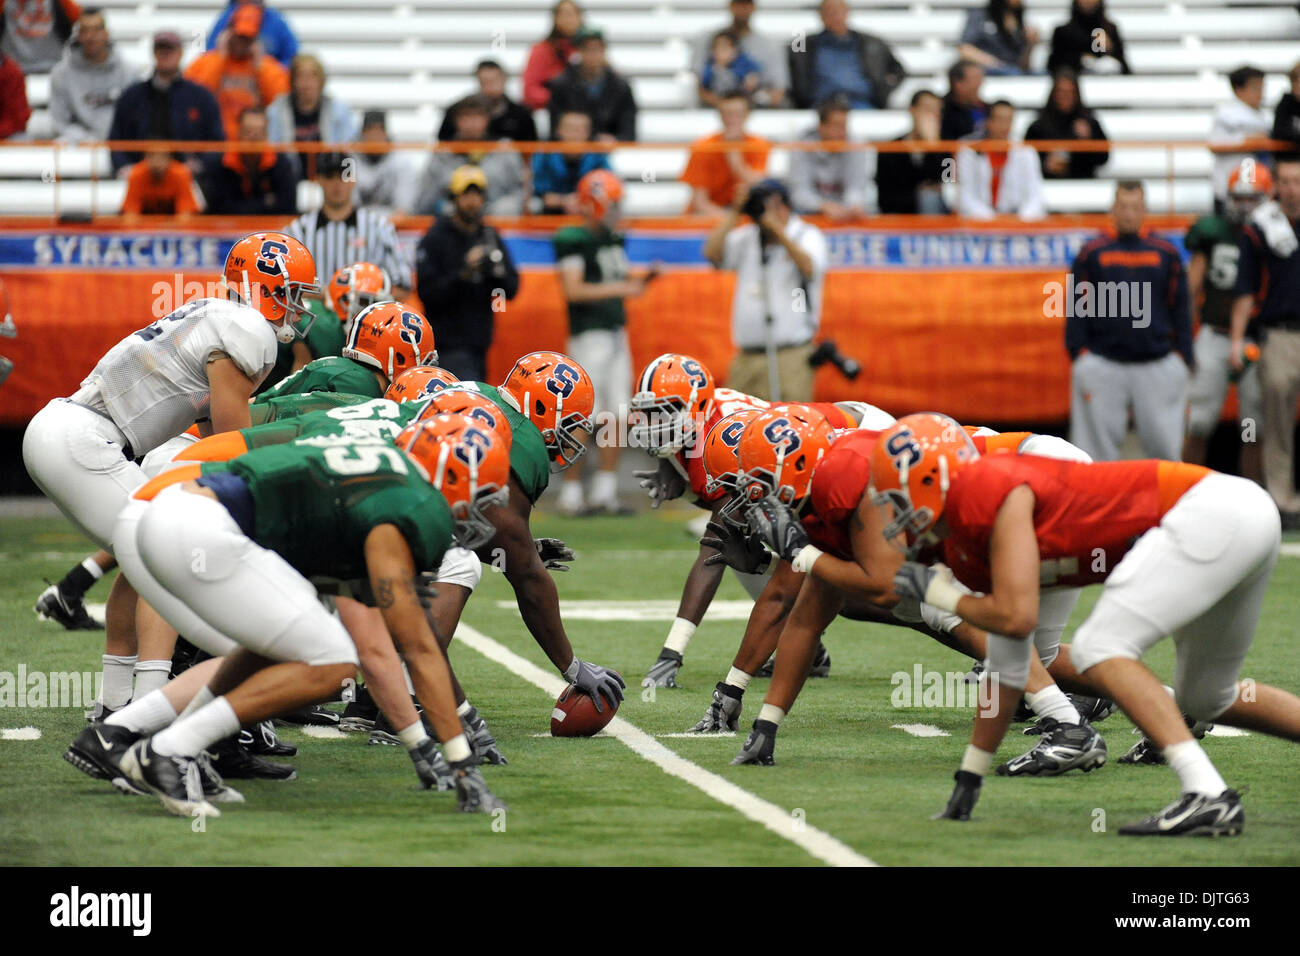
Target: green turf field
(842, 768)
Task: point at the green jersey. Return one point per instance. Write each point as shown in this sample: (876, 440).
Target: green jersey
(330, 374)
(529, 461)
(315, 506)
(375, 419)
(324, 338)
(284, 407)
(1215, 238)
(603, 260)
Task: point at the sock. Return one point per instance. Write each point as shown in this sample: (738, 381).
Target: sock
(738, 678)
(1050, 702)
(976, 761)
(464, 708)
(198, 731)
(679, 635)
(1195, 772)
(150, 676)
(771, 712)
(456, 749)
(570, 495)
(604, 487)
(414, 735)
(80, 579)
(145, 715)
(118, 673)
(201, 699)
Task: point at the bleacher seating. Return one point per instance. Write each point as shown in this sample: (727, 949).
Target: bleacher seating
(412, 58)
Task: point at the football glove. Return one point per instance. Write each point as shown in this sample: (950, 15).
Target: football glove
(776, 526)
(736, 549)
(480, 738)
(963, 798)
(758, 745)
(594, 680)
(930, 584)
(663, 673)
(555, 554)
(724, 711)
(662, 483)
(472, 793)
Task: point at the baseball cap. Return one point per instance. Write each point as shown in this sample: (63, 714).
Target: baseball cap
(330, 164)
(588, 33)
(465, 177)
(166, 38)
(246, 21)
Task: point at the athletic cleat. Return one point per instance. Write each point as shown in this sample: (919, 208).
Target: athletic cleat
(359, 715)
(432, 767)
(1063, 747)
(723, 713)
(174, 779)
(1093, 710)
(759, 747)
(98, 749)
(229, 759)
(262, 741)
(214, 788)
(975, 674)
(384, 735)
(820, 667)
(481, 739)
(67, 609)
(313, 716)
(768, 668)
(1144, 752)
(472, 793)
(1194, 814)
(663, 673)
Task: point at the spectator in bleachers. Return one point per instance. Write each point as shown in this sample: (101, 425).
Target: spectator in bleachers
(165, 106)
(591, 85)
(1065, 117)
(506, 119)
(385, 180)
(999, 182)
(307, 114)
(963, 110)
(34, 32)
(1286, 118)
(1238, 120)
(837, 185)
(728, 70)
(14, 111)
(859, 66)
(1089, 42)
(909, 182)
(159, 185)
(275, 34)
(549, 57)
(240, 76)
(556, 175)
(462, 267)
(252, 183)
(714, 174)
(87, 82)
(997, 39)
(766, 51)
(507, 193)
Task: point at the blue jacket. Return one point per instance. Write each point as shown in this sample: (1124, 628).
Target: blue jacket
(1148, 267)
(1273, 281)
(277, 39)
(551, 175)
(194, 116)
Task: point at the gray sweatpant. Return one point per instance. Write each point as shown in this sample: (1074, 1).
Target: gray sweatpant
(1103, 393)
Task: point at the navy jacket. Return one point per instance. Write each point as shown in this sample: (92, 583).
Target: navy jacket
(1154, 281)
(1273, 281)
(194, 115)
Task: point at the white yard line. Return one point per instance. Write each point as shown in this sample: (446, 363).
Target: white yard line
(20, 733)
(642, 610)
(821, 845)
(921, 730)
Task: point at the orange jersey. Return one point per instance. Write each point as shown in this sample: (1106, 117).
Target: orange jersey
(1002, 441)
(238, 84)
(709, 170)
(1086, 516)
(838, 484)
(171, 195)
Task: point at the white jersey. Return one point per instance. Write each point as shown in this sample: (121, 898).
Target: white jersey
(154, 383)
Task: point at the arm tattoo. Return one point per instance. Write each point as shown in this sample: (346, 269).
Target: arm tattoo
(385, 588)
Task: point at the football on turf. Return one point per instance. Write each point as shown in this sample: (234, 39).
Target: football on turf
(575, 715)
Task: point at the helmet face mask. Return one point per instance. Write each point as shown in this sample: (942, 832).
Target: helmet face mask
(555, 394)
(356, 287)
(778, 453)
(673, 401)
(274, 273)
(563, 442)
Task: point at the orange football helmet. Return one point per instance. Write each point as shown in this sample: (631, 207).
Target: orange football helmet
(778, 452)
(555, 393)
(391, 338)
(599, 193)
(419, 383)
(673, 400)
(354, 287)
(473, 405)
(271, 272)
(912, 467)
(1249, 185)
(722, 460)
(469, 464)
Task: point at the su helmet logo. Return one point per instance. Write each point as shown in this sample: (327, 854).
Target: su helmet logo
(903, 444)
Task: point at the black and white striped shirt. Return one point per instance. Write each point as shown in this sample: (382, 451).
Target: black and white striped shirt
(367, 235)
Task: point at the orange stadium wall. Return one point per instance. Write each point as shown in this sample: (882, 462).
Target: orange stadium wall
(971, 340)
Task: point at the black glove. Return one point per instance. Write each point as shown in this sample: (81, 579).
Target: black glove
(594, 680)
(736, 549)
(775, 524)
(662, 483)
(963, 798)
(555, 554)
(759, 745)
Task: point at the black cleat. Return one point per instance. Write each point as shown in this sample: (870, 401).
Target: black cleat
(55, 604)
(215, 789)
(481, 739)
(229, 759)
(1063, 747)
(384, 735)
(98, 749)
(759, 747)
(820, 667)
(964, 796)
(1194, 814)
(262, 741)
(1144, 752)
(175, 780)
(313, 716)
(1093, 710)
(360, 714)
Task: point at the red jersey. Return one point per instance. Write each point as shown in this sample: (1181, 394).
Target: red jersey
(838, 483)
(1086, 516)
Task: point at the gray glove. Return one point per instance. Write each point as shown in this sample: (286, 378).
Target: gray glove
(431, 767)
(555, 554)
(736, 549)
(594, 680)
(662, 483)
(774, 524)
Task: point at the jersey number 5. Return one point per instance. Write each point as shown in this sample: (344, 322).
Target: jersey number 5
(364, 459)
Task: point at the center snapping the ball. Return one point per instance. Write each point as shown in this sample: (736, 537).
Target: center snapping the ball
(575, 715)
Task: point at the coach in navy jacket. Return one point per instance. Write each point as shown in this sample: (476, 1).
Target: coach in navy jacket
(1128, 330)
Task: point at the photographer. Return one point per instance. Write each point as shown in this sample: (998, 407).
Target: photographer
(780, 265)
(464, 275)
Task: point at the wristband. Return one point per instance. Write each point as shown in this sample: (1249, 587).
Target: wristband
(680, 634)
(943, 591)
(570, 673)
(806, 558)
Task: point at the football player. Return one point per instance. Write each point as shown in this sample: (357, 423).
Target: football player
(200, 363)
(1179, 549)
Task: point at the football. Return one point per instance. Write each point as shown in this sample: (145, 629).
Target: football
(574, 715)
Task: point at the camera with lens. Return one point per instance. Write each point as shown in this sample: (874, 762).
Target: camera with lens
(756, 202)
(493, 263)
(828, 352)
